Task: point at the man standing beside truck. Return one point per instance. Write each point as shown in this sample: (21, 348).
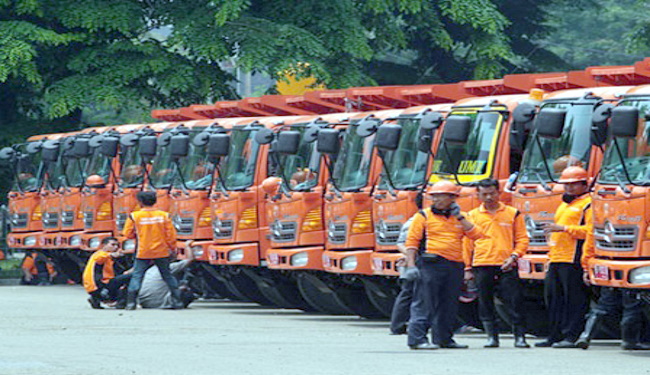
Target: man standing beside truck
(492, 260)
(156, 239)
(439, 273)
(564, 289)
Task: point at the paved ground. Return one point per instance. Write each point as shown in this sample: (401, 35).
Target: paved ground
(52, 330)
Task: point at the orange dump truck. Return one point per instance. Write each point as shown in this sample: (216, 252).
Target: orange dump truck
(621, 198)
(561, 137)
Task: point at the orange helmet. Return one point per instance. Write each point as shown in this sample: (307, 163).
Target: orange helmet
(271, 185)
(573, 174)
(95, 180)
(444, 187)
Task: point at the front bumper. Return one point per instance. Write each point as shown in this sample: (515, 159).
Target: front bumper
(348, 262)
(619, 273)
(533, 266)
(242, 254)
(385, 263)
(302, 258)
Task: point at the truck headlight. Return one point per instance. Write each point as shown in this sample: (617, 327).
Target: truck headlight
(299, 259)
(349, 263)
(94, 242)
(128, 245)
(236, 255)
(29, 241)
(198, 251)
(640, 275)
(75, 240)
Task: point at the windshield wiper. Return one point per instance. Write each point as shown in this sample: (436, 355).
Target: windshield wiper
(621, 184)
(541, 181)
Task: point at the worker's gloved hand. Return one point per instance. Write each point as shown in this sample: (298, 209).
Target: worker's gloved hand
(454, 209)
(411, 273)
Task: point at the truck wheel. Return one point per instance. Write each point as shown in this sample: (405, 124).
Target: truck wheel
(320, 296)
(246, 286)
(381, 294)
(278, 289)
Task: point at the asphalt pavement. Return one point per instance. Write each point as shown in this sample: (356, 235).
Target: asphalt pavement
(52, 330)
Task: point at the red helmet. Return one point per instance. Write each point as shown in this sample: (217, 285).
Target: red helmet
(444, 187)
(573, 174)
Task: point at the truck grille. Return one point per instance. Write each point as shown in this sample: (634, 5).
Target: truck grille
(536, 233)
(120, 220)
(88, 219)
(616, 237)
(222, 228)
(282, 231)
(50, 219)
(67, 218)
(387, 233)
(336, 232)
(184, 225)
(19, 220)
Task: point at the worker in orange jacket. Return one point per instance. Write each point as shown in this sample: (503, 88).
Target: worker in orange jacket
(492, 261)
(438, 273)
(156, 239)
(99, 277)
(564, 289)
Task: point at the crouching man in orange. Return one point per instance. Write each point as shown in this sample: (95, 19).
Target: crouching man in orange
(438, 274)
(99, 276)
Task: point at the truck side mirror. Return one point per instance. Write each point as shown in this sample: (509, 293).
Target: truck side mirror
(129, 140)
(599, 124)
(431, 120)
(148, 145)
(288, 142)
(388, 136)
(367, 127)
(201, 139)
(109, 146)
(81, 148)
(328, 141)
(164, 139)
(218, 145)
(625, 121)
(264, 136)
(7, 153)
(50, 152)
(310, 134)
(425, 140)
(180, 145)
(550, 122)
(524, 113)
(34, 147)
(457, 129)
(518, 136)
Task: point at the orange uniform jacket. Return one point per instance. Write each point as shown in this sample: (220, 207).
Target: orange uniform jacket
(504, 234)
(100, 262)
(29, 264)
(444, 235)
(154, 233)
(576, 217)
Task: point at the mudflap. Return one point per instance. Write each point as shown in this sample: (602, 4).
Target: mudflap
(382, 292)
(215, 280)
(278, 288)
(240, 282)
(69, 263)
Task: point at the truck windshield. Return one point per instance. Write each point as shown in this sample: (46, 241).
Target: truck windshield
(54, 174)
(407, 164)
(301, 169)
(132, 173)
(98, 164)
(474, 157)
(195, 168)
(352, 165)
(65, 172)
(162, 169)
(635, 151)
(28, 170)
(239, 171)
(571, 148)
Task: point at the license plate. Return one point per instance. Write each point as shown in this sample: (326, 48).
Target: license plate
(274, 259)
(523, 265)
(378, 264)
(601, 272)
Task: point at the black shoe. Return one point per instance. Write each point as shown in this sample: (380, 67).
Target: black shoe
(564, 344)
(400, 331)
(635, 346)
(544, 344)
(492, 335)
(95, 303)
(453, 345)
(424, 346)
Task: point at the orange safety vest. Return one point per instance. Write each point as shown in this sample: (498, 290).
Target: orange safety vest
(154, 233)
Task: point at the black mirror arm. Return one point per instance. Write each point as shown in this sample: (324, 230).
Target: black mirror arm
(548, 170)
(284, 187)
(627, 173)
(455, 168)
(391, 186)
(180, 176)
(330, 170)
(222, 183)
